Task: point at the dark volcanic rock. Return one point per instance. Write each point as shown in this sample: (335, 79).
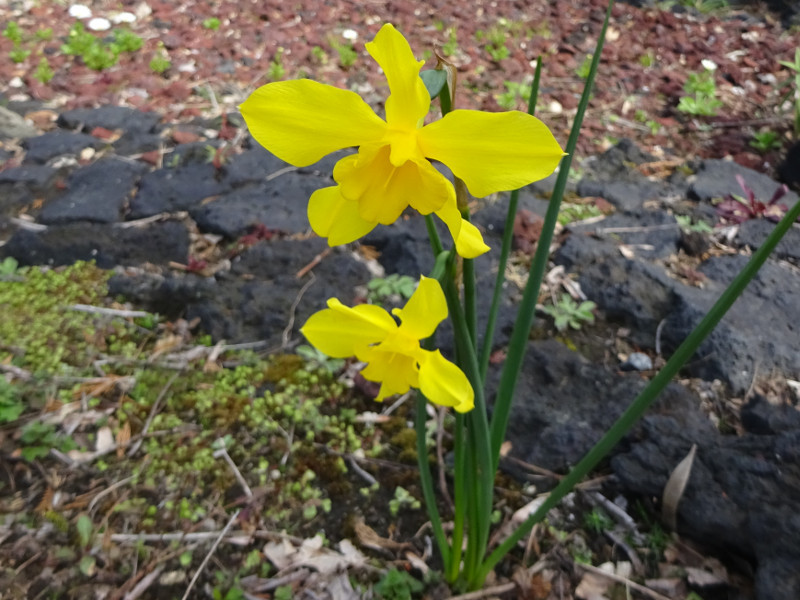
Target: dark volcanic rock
(181, 188)
(96, 193)
(753, 233)
(564, 404)
(743, 493)
(57, 143)
(109, 117)
(760, 328)
(278, 204)
(717, 178)
(108, 245)
(252, 166)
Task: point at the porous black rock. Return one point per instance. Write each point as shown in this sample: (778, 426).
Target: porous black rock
(97, 193)
(45, 147)
(279, 204)
(107, 245)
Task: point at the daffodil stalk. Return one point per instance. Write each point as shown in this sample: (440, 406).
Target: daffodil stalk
(302, 121)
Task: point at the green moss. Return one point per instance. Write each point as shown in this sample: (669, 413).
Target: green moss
(40, 332)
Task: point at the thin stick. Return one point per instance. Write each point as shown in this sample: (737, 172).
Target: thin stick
(108, 490)
(623, 580)
(141, 587)
(288, 331)
(223, 452)
(314, 262)
(202, 566)
(485, 593)
(112, 312)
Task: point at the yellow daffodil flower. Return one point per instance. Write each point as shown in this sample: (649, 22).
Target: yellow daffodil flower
(301, 121)
(392, 352)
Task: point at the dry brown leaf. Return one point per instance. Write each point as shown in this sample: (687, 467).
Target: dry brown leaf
(123, 437)
(46, 503)
(369, 538)
(673, 491)
(166, 344)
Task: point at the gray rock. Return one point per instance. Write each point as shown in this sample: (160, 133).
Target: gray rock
(47, 146)
(109, 246)
(97, 193)
(753, 233)
(109, 117)
(174, 189)
(743, 494)
(279, 204)
(717, 178)
(564, 404)
(13, 126)
(637, 361)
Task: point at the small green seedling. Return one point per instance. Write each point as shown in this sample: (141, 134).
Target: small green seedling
(211, 23)
(44, 72)
(702, 91)
(568, 313)
(402, 499)
(276, 69)
(764, 141)
(381, 289)
(794, 67)
(11, 405)
(397, 585)
(585, 67)
(160, 63)
(686, 225)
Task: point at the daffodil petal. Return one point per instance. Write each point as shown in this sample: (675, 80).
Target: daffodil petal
(444, 383)
(340, 331)
(383, 191)
(468, 239)
(396, 372)
(409, 100)
(424, 311)
(492, 152)
(301, 121)
(333, 216)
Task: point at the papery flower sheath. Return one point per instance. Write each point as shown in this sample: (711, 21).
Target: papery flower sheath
(392, 352)
(301, 121)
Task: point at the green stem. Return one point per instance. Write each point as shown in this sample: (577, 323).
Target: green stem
(426, 480)
(477, 422)
(505, 248)
(684, 352)
(519, 336)
(460, 491)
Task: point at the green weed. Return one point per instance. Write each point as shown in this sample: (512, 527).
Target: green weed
(764, 141)
(569, 314)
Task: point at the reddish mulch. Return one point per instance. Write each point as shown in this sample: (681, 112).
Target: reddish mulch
(647, 57)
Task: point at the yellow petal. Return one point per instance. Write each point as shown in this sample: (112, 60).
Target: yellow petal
(301, 121)
(383, 191)
(424, 311)
(444, 383)
(492, 152)
(340, 331)
(396, 372)
(333, 216)
(409, 100)
(469, 241)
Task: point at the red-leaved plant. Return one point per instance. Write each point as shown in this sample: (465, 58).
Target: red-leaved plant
(737, 209)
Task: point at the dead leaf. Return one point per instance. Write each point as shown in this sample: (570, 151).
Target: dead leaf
(673, 491)
(123, 437)
(105, 440)
(369, 538)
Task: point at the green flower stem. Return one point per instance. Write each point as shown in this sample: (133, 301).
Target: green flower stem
(478, 439)
(470, 302)
(505, 248)
(436, 241)
(459, 500)
(684, 352)
(525, 314)
(426, 480)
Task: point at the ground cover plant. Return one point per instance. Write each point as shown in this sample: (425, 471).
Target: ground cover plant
(158, 463)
